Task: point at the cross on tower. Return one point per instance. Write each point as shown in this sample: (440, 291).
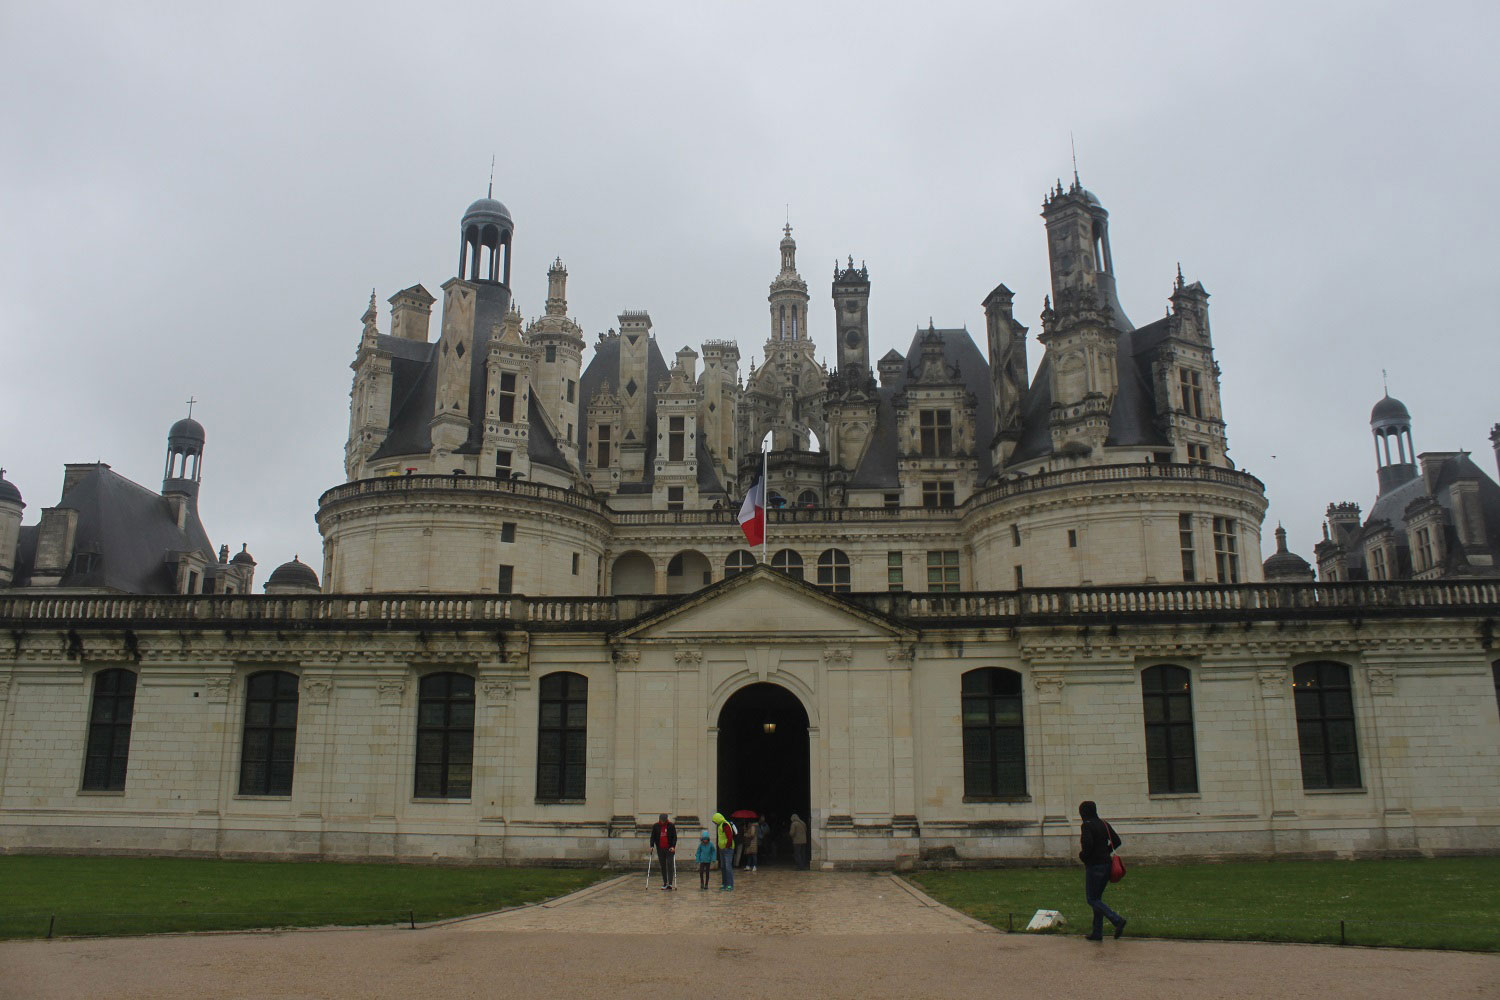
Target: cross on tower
(190, 402)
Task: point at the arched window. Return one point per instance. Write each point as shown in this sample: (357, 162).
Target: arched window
(994, 738)
(788, 562)
(1325, 725)
(1171, 763)
(833, 571)
(445, 737)
(268, 747)
(739, 561)
(562, 738)
(109, 731)
(807, 498)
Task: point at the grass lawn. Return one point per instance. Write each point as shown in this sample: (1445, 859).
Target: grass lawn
(151, 895)
(1441, 903)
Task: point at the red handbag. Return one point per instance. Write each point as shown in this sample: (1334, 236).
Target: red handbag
(1116, 868)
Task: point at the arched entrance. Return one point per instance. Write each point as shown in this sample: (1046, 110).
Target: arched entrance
(764, 763)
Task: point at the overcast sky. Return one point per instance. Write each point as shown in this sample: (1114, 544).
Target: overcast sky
(195, 200)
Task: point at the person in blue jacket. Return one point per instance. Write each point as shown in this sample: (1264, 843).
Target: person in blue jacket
(707, 853)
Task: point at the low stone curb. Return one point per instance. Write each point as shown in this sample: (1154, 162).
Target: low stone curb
(926, 900)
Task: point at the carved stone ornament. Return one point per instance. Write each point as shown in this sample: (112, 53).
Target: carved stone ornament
(497, 690)
(900, 651)
(317, 690)
(626, 655)
(837, 654)
(1382, 680)
(1272, 683)
(218, 689)
(688, 655)
(391, 691)
(1048, 687)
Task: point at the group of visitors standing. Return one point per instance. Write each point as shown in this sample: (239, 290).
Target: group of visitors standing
(723, 844)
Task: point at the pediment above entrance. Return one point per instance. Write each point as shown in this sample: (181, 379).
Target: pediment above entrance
(764, 604)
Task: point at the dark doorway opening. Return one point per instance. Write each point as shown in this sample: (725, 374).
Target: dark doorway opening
(763, 762)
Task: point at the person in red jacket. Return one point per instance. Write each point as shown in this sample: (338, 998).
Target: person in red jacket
(663, 840)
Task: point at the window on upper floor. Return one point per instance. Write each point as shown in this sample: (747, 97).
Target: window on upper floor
(507, 531)
(445, 737)
(1197, 454)
(1191, 384)
(502, 464)
(1020, 578)
(572, 390)
(1377, 563)
(1171, 761)
(268, 744)
(602, 436)
(892, 501)
(994, 737)
(1185, 544)
(507, 397)
(551, 353)
(895, 571)
(505, 580)
(942, 570)
(1072, 538)
(110, 714)
(833, 571)
(1324, 700)
(1226, 550)
(936, 432)
(789, 562)
(937, 493)
(575, 563)
(1015, 536)
(562, 738)
(1425, 556)
(675, 499)
(676, 439)
(739, 561)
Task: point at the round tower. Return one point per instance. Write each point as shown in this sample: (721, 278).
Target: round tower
(1395, 455)
(10, 528)
(485, 237)
(295, 577)
(184, 468)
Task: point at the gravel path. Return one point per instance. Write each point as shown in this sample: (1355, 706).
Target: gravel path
(781, 934)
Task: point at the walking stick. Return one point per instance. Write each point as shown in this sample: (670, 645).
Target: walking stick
(648, 869)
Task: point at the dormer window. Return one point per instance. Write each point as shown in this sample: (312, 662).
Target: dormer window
(936, 433)
(507, 397)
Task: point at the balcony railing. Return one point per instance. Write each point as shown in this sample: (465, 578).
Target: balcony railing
(1000, 609)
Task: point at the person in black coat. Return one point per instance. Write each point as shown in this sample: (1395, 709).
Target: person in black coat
(664, 841)
(1099, 842)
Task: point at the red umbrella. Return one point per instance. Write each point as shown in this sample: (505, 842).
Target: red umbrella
(744, 814)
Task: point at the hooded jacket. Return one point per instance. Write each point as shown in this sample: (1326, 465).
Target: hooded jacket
(707, 855)
(798, 830)
(1099, 839)
(725, 831)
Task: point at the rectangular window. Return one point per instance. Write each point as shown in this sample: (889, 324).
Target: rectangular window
(937, 493)
(445, 737)
(1192, 392)
(1185, 542)
(1171, 761)
(575, 564)
(993, 737)
(942, 570)
(1072, 539)
(1377, 563)
(505, 578)
(892, 501)
(1197, 454)
(507, 531)
(502, 464)
(108, 750)
(676, 439)
(192, 585)
(269, 743)
(1015, 536)
(572, 390)
(1020, 579)
(674, 497)
(603, 438)
(1324, 701)
(937, 432)
(895, 571)
(551, 353)
(507, 397)
(1226, 550)
(562, 738)
(570, 434)
(1425, 558)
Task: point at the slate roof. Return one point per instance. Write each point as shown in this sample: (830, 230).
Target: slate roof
(130, 530)
(878, 466)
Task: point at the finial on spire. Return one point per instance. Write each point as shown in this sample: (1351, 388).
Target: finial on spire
(491, 192)
(1074, 144)
(190, 402)
(1385, 383)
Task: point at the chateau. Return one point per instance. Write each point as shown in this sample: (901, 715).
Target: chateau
(994, 585)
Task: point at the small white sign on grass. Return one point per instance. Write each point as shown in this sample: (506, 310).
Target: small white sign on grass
(1046, 920)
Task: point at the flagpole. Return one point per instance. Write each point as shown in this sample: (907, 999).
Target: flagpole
(765, 496)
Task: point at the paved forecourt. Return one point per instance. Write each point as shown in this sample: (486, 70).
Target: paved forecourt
(780, 933)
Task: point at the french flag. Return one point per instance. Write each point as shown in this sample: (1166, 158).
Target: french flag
(753, 513)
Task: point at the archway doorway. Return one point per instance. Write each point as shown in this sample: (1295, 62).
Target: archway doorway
(764, 763)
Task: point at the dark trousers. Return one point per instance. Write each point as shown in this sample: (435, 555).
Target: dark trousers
(703, 869)
(726, 867)
(668, 862)
(800, 852)
(1095, 881)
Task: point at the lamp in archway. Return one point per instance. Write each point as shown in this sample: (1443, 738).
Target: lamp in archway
(769, 727)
